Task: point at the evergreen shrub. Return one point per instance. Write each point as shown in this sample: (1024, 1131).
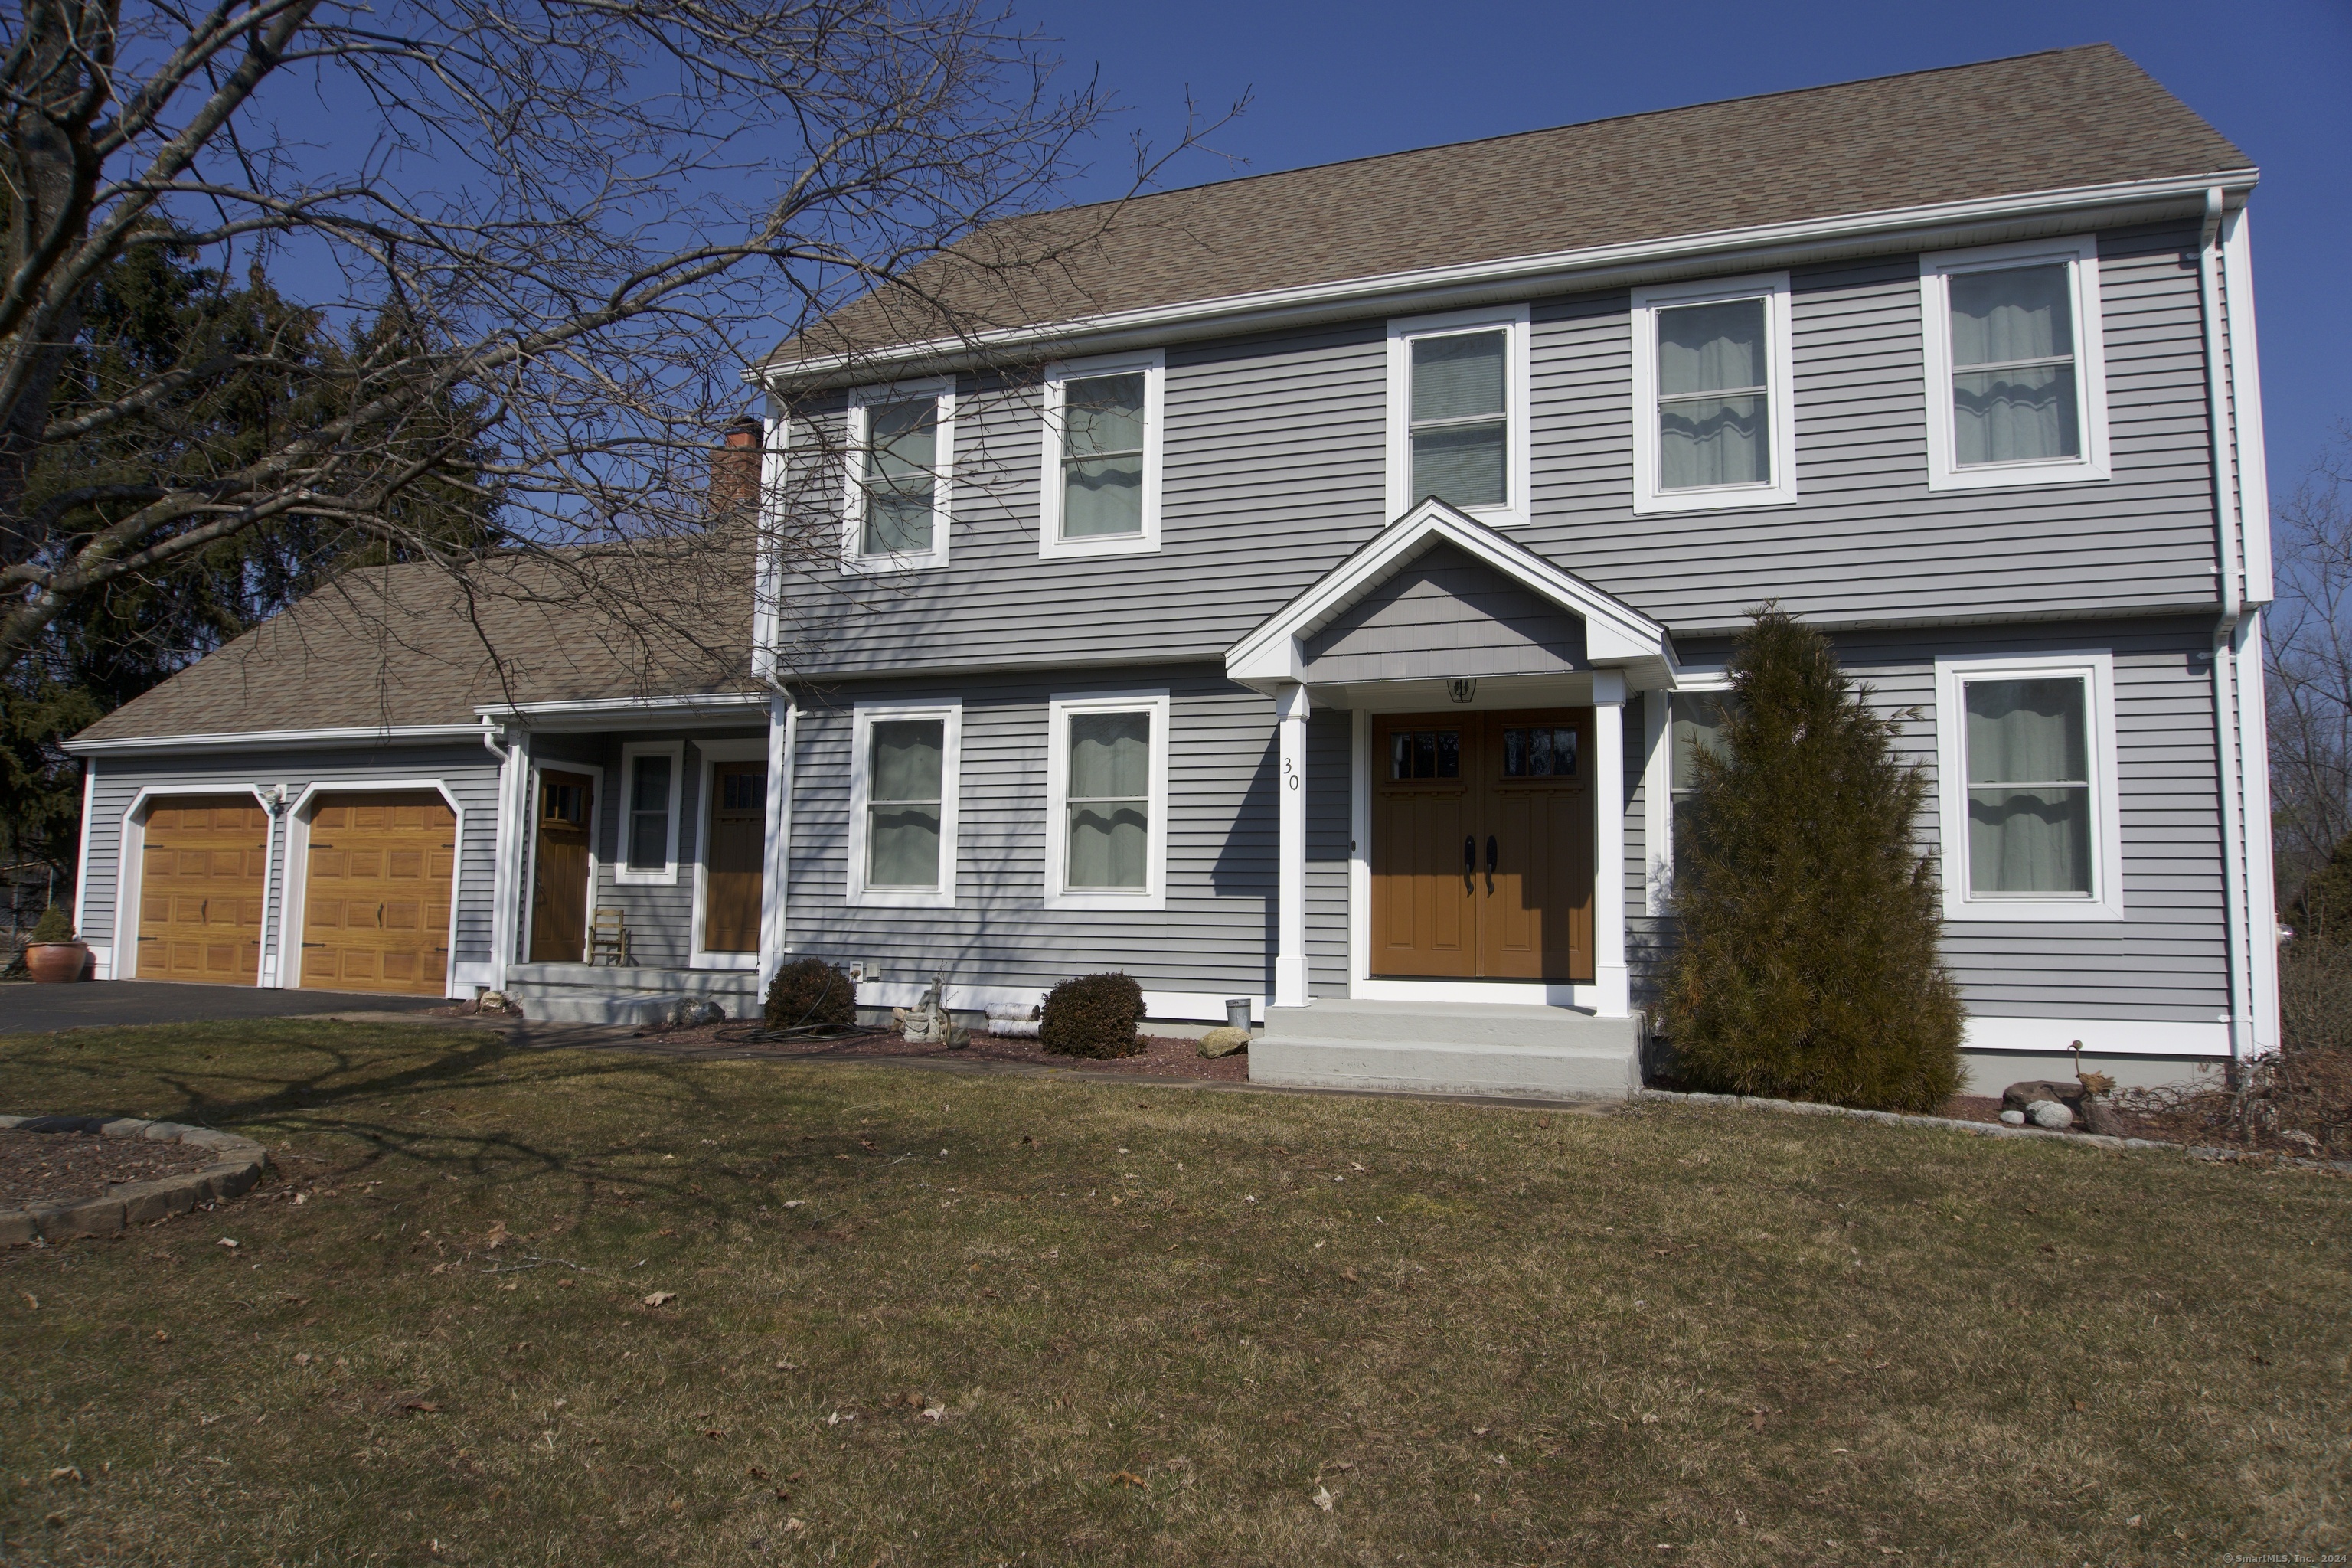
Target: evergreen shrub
(1809, 966)
(55, 925)
(2321, 912)
(1092, 1015)
(809, 994)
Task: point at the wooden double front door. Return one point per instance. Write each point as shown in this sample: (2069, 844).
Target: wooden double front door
(1482, 846)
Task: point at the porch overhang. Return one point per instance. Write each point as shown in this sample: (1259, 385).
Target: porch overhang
(1617, 637)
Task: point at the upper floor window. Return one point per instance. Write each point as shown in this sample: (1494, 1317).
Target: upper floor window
(1714, 409)
(650, 775)
(1101, 482)
(901, 453)
(2016, 389)
(2028, 795)
(903, 780)
(1457, 413)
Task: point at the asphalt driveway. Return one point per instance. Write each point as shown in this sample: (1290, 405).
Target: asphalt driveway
(26, 1008)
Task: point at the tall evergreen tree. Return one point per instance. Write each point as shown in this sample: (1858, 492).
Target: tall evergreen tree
(1809, 967)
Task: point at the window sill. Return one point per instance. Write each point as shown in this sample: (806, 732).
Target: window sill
(2017, 475)
(1145, 544)
(1105, 901)
(1745, 498)
(2030, 911)
(871, 565)
(664, 878)
(901, 899)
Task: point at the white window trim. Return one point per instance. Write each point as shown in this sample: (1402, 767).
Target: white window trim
(1518, 465)
(707, 753)
(1051, 545)
(2081, 255)
(2106, 901)
(1059, 710)
(1780, 397)
(1658, 778)
(853, 559)
(861, 763)
(623, 872)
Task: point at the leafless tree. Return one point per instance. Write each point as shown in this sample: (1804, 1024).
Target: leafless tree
(559, 230)
(2309, 638)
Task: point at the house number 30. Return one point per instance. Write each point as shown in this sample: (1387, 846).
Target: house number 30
(1289, 773)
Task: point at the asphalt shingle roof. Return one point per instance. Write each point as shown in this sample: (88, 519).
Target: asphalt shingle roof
(2059, 120)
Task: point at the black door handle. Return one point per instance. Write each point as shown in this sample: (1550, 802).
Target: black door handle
(1490, 854)
(1469, 855)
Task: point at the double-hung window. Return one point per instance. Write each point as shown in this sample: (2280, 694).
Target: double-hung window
(1457, 413)
(901, 461)
(1714, 408)
(1697, 721)
(1106, 801)
(1100, 492)
(903, 787)
(2027, 759)
(2016, 386)
(650, 777)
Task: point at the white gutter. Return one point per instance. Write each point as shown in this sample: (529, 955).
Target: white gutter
(2226, 737)
(394, 735)
(1523, 272)
(722, 704)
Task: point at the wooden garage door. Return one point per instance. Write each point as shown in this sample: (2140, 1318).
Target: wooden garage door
(200, 879)
(375, 910)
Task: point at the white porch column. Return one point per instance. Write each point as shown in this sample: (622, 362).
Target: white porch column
(507, 871)
(1609, 975)
(775, 861)
(1290, 928)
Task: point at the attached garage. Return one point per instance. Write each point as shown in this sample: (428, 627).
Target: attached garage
(202, 862)
(376, 897)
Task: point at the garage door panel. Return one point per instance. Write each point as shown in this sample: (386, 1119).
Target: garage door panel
(200, 871)
(376, 913)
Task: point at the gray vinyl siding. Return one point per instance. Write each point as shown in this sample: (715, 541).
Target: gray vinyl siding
(2167, 959)
(1275, 465)
(1215, 936)
(470, 772)
(1445, 615)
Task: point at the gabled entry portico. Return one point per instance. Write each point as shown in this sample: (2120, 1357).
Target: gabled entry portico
(1487, 820)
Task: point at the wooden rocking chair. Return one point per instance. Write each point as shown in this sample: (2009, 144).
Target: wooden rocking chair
(608, 939)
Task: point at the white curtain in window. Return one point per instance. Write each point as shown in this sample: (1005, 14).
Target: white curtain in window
(2029, 787)
(2021, 319)
(901, 476)
(1460, 433)
(1714, 403)
(1110, 801)
(902, 833)
(1102, 456)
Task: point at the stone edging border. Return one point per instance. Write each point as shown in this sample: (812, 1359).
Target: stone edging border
(237, 1163)
(1994, 1130)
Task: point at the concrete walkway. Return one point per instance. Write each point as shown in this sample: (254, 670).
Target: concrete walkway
(26, 1008)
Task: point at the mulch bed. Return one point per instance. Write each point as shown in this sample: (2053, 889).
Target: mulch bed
(35, 1167)
(1971, 1108)
(1163, 1056)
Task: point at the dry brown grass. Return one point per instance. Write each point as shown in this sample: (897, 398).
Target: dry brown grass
(1155, 1324)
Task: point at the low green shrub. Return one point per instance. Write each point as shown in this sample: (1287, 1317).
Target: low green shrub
(55, 925)
(1092, 1015)
(810, 994)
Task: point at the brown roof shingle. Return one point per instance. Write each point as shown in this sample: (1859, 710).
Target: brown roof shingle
(2063, 119)
(417, 645)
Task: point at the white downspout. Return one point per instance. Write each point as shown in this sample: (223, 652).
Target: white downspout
(2226, 633)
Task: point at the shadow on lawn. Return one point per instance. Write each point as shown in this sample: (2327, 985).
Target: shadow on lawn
(340, 1089)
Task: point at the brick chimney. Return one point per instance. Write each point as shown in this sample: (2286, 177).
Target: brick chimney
(735, 469)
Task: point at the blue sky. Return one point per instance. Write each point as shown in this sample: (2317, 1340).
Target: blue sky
(1332, 80)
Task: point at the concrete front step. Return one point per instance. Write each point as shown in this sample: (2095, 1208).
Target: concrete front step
(639, 994)
(1549, 1053)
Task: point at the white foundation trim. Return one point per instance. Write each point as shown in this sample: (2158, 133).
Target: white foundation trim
(1183, 1007)
(2107, 1036)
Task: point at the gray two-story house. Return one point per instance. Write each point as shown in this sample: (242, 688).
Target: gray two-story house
(1315, 591)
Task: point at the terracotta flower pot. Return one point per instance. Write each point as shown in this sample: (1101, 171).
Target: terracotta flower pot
(52, 962)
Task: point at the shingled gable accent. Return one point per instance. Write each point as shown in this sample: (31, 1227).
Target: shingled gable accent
(1616, 636)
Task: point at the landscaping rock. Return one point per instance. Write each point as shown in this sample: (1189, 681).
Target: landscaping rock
(2013, 1118)
(146, 1202)
(2050, 1113)
(689, 1013)
(2021, 1096)
(2101, 1118)
(1224, 1041)
(17, 1228)
(92, 1216)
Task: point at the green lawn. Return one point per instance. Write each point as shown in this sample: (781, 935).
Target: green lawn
(924, 1317)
